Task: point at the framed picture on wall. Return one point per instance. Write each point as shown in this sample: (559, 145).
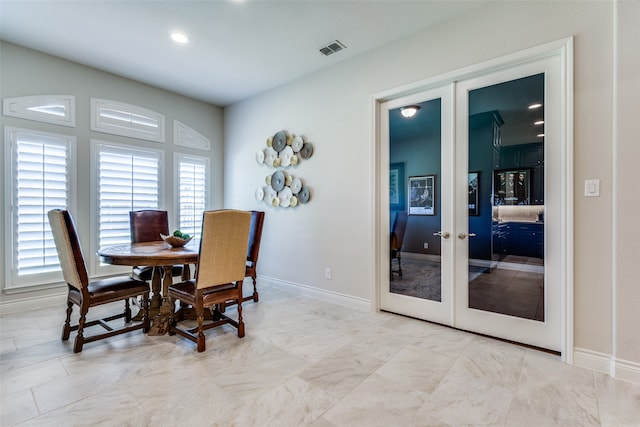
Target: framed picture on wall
(396, 186)
(511, 187)
(474, 186)
(422, 195)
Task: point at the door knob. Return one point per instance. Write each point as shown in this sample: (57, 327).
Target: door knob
(464, 235)
(443, 234)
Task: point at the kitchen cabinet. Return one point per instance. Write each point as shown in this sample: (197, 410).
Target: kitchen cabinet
(518, 238)
(522, 156)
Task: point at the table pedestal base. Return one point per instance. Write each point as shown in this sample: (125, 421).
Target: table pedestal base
(160, 322)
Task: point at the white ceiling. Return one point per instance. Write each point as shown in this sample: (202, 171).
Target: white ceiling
(237, 48)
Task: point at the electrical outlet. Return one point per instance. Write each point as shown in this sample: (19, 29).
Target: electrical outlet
(426, 245)
(327, 273)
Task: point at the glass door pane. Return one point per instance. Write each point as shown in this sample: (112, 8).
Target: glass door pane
(414, 153)
(506, 198)
(420, 152)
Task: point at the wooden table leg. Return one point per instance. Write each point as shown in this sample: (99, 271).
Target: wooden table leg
(156, 298)
(160, 323)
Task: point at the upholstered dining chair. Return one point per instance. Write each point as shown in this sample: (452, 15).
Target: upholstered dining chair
(86, 294)
(146, 226)
(397, 237)
(219, 274)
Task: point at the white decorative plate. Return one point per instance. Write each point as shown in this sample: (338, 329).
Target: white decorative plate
(285, 197)
(269, 194)
(297, 143)
(296, 185)
(285, 156)
(259, 194)
(270, 156)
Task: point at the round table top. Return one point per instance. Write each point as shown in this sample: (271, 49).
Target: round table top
(150, 254)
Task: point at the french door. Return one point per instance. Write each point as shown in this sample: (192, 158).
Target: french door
(478, 171)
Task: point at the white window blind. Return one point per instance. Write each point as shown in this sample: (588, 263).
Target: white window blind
(128, 179)
(41, 178)
(192, 192)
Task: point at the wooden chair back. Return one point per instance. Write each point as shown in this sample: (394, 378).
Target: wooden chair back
(147, 225)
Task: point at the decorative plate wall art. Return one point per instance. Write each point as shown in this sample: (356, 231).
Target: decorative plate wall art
(281, 188)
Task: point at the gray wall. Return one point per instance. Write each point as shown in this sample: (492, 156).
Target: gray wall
(333, 107)
(24, 72)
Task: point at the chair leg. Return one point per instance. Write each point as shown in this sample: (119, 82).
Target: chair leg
(66, 330)
(255, 290)
(127, 311)
(240, 322)
(399, 265)
(172, 317)
(216, 312)
(77, 348)
(201, 340)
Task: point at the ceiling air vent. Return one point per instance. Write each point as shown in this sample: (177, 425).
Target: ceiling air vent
(331, 48)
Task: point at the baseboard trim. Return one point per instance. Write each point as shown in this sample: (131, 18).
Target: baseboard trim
(33, 303)
(626, 370)
(360, 304)
(601, 362)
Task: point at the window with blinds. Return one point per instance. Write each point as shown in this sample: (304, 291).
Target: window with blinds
(192, 192)
(128, 179)
(40, 172)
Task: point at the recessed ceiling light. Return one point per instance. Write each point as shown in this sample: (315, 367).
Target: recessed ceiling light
(179, 38)
(534, 106)
(539, 122)
(540, 135)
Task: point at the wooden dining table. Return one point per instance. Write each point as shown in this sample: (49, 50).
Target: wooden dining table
(162, 257)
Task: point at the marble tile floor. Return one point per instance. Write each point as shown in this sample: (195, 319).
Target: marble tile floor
(303, 362)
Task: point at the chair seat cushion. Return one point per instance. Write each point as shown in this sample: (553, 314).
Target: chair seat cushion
(186, 291)
(116, 288)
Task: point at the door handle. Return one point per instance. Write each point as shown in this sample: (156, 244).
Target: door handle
(443, 234)
(464, 235)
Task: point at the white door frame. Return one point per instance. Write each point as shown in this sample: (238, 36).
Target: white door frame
(563, 49)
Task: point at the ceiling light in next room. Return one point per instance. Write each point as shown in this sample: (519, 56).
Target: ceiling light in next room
(534, 106)
(539, 122)
(540, 135)
(179, 38)
(409, 111)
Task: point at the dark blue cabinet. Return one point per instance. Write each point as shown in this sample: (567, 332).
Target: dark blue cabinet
(518, 238)
(527, 239)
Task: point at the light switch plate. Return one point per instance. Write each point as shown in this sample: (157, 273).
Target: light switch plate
(591, 187)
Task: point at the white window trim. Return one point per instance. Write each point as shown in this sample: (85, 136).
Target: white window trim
(23, 107)
(176, 181)
(98, 123)
(185, 136)
(13, 283)
(96, 268)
